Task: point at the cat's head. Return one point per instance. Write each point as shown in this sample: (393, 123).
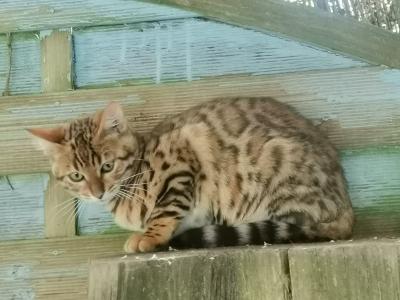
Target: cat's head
(91, 156)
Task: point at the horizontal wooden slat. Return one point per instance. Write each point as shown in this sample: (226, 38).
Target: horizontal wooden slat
(22, 15)
(189, 49)
(51, 269)
(358, 107)
(321, 28)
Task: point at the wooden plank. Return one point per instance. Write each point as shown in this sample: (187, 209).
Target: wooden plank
(186, 50)
(231, 273)
(95, 219)
(57, 53)
(24, 75)
(21, 15)
(317, 27)
(373, 176)
(353, 270)
(7, 64)
(357, 107)
(51, 268)
(59, 209)
(21, 206)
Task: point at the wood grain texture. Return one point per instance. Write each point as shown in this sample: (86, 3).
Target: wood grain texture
(317, 27)
(358, 270)
(373, 177)
(357, 107)
(94, 219)
(56, 54)
(21, 15)
(59, 209)
(22, 206)
(51, 269)
(231, 273)
(186, 50)
(24, 77)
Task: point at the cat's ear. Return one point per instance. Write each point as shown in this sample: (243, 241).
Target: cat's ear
(111, 119)
(48, 139)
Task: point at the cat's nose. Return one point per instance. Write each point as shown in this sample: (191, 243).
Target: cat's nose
(101, 196)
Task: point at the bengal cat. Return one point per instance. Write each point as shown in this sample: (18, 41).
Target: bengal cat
(228, 172)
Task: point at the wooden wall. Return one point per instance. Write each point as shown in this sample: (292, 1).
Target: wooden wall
(158, 61)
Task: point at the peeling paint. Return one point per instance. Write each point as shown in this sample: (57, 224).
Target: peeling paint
(190, 49)
(45, 33)
(22, 206)
(25, 69)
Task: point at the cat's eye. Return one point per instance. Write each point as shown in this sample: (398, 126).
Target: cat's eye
(107, 167)
(76, 176)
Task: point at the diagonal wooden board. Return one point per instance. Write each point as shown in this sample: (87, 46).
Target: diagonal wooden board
(22, 15)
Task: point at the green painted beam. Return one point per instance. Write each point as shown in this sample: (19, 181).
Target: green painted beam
(341, 34)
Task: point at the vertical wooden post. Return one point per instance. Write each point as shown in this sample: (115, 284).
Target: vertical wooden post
(57, 53)
(56, 50)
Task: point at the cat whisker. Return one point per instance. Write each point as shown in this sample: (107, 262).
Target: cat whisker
(132, 197)
(63, 208)
(72, 214)
(68, 212)
(136, 187)
(66, 202)
(81, 209)
(135, 175)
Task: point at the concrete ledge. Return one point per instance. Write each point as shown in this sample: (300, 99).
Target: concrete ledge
(345, 270)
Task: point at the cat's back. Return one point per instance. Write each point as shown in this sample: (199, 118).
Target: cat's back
(243, 118)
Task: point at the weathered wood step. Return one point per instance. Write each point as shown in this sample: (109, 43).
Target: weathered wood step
(343, 270)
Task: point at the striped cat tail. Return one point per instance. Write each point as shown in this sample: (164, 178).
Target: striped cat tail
(257, 233)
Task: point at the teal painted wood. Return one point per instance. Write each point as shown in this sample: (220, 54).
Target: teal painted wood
(26, 70)
(22, 15)
(22, 206)
(96, 219)
(374, 177)
(25, 64)
(3, 63)
(189, 49)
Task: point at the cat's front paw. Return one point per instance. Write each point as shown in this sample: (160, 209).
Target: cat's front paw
(140, 243)
(132, 243)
